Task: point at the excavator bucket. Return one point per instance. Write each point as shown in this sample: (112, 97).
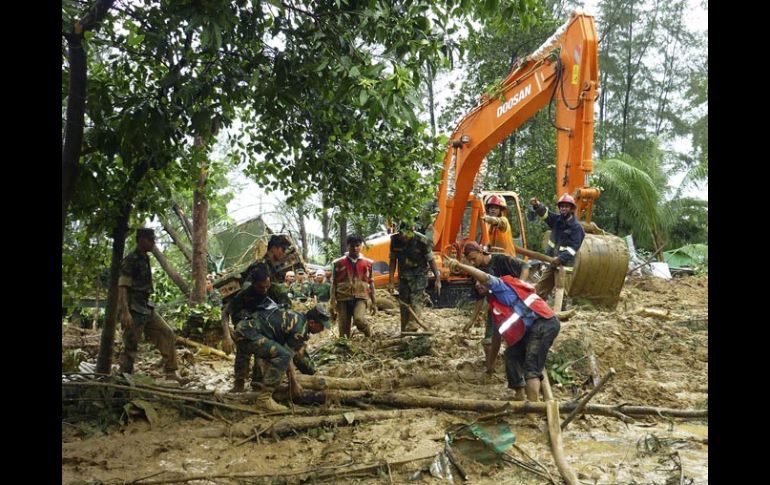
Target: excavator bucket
(600, 270)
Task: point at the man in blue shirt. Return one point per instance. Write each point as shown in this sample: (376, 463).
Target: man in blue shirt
(511, 302)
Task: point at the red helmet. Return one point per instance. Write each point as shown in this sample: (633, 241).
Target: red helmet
(496, 200)
(567, 199)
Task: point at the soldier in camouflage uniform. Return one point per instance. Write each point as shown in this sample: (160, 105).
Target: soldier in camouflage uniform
(137, 312)
(413, 253)
(321, 288)
(301, 289)
(241, 306)
(275, 254)
(276, 336)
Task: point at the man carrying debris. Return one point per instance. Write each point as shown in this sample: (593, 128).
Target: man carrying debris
(352, 287)
(414, 254)
(321, 288)
(564, 242)
(500, 239)
(524, 321)
(137, 313)
(499, 265)
(277, 337)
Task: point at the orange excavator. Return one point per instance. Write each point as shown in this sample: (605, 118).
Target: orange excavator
(563, 71)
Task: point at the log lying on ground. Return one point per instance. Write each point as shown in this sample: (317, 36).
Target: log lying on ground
(205, 349)
(285, 425)
(321, 383)
(489, 406)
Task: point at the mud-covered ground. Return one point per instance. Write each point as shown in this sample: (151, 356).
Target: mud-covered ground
(656, 341)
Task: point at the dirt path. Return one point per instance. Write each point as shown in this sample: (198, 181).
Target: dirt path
(656, 341)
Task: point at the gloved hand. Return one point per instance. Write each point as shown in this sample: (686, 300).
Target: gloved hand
(372, 308)
(437, 286)
(535, 203)
(489, 219)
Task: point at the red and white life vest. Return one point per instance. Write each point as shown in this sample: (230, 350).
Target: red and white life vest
(352, 280)
(509, 323)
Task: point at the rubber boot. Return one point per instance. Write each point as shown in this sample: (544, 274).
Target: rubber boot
(238, 385)
(265, 401)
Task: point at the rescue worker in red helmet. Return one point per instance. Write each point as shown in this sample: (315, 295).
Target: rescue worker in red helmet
(524, 321)
(564, 242)
(500, 238)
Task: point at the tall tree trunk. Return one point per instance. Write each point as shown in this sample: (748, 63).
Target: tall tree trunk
(431, 103)
(302, 230)
(187, 252)
(629, 79)
(200, 238)
(343, 234)
(104, 358)
(171, 271)
(76, 103)
(73, 129)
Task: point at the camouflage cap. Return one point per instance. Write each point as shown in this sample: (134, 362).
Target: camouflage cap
(300, 271)
(146, 233)
(320, 314)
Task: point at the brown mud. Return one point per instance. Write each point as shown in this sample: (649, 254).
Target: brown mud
(656, 340)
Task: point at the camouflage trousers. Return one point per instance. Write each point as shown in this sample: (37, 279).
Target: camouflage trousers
(411, 290)
(274, 359)
(354, 310)
(303, 363)
(157, 331)
(545, 284)
(526, 358)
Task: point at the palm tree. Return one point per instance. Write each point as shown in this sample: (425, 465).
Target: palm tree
(635, 189)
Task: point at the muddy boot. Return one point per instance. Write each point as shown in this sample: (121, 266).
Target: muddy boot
(174, 376)
(265, 401)
(367, 330)
(238, 385)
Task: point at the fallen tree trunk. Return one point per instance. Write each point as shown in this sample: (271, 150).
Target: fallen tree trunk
(289, 424)
(489, 406)
(321, 383)
(205, 349)
(171, 271)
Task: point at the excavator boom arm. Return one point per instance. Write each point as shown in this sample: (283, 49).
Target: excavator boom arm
(564, 69)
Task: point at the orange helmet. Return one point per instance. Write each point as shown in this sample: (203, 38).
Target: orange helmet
(567, 199)
(496, 200)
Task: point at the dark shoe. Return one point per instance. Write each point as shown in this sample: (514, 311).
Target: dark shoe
(238, 386)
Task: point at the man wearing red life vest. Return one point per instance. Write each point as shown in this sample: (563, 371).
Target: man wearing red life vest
(352, 287)
(524, 321)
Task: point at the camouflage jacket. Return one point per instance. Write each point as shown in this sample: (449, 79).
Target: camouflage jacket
(278, 291)
(282, 326)
(322, 291)
(413, 255)
(135, 273)
(301, 290)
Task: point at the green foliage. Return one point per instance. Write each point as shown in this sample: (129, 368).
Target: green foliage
(632, 199)
(209, 314)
